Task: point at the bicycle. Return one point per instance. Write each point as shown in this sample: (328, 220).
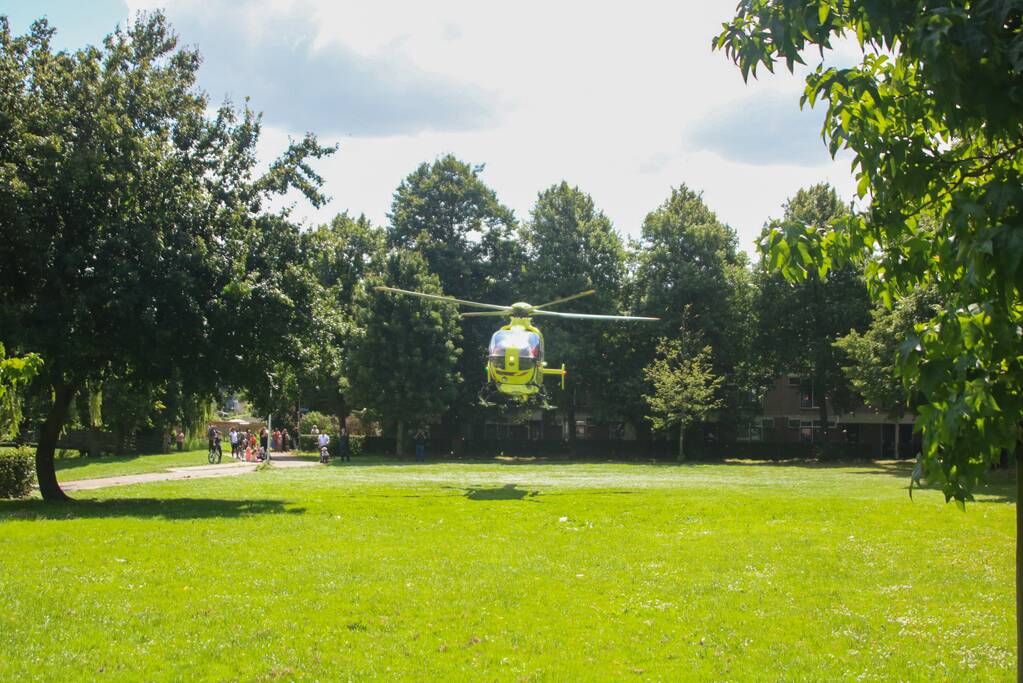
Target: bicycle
(215, 454)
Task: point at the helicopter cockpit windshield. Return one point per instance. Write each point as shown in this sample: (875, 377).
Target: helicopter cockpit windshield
(528, 345)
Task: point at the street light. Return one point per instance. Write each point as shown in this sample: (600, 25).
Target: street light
(269, 418)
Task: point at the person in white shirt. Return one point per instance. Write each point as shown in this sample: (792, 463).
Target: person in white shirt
(322, 440)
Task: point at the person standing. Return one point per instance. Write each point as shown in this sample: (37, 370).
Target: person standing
(233, 437)
(420, 446)
(286, 439)
(211, 432)
(181, 439)
(264, 439)
(342, 446)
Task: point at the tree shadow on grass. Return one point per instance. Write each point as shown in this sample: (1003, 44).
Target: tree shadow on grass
(506, 492)
(998, 486)
(144, 508)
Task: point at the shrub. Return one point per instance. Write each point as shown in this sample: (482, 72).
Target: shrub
(17, 473)
(356, 444)
(325, 423)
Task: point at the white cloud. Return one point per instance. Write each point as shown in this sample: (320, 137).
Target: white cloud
(625, 101)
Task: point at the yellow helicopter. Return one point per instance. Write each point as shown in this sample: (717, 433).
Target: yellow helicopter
(515, 363)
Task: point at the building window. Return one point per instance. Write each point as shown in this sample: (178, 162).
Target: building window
(751, 431)
(806, 395)
(806, 431)
(793, 423)
(767, 423)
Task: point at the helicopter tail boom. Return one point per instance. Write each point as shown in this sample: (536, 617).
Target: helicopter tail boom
(555, 371)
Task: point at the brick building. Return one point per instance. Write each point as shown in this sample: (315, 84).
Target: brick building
(791, 413)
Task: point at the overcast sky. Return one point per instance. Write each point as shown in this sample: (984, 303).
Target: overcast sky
(625, 101)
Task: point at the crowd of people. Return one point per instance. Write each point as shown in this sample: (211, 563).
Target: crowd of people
(250, 444)
(261, 443)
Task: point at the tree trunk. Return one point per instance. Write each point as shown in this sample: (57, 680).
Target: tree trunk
(822, 404)
(681, 442)
(342, 417)
(570, 418)
(399, 441)
(45, 472)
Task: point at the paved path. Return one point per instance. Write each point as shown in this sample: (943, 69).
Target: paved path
(225, 469)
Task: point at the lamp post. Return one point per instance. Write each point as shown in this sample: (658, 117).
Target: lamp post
(269, 417)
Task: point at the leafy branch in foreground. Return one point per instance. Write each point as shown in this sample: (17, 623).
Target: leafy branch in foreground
(933, 114)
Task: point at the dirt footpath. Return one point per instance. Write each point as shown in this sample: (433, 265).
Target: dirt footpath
(225, 469)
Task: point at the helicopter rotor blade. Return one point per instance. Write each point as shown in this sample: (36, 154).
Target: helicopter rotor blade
(480, 314)
(439, 297)
(588, 316)
(567, 298)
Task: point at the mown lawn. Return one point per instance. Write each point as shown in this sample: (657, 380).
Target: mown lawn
(78, 467)
(511, 572)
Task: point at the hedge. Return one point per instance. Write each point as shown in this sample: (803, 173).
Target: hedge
(17, 473)
(600, 449)
(356, 444)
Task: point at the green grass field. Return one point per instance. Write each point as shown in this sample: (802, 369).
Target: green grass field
(73, 468)
(512, 572)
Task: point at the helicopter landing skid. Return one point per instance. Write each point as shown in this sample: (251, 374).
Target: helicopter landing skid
(490, 397)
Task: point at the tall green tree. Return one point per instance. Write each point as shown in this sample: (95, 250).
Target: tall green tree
(872, 355)
(684, 387)
(338, 254)
(404, 350)
(571, 246)
(445, 212)
(800, 322)
(933, 114)
(128, 217)
(448, 214)
(689, 271)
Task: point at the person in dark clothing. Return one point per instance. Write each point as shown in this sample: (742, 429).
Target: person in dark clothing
(344, 454)
(213, 436)
(420, 446)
